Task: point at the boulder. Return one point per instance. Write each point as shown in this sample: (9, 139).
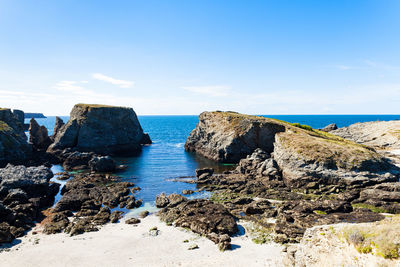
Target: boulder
(38, 136)
(101, 129)
(102, 164)
(228, 136)
(329, 127)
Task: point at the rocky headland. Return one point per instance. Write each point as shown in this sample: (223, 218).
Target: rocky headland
(296, 178)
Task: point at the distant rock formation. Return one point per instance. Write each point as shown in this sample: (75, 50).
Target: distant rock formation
(329, 127)
(34, 115)
(38, 136)
(229, 136)
(14, 147)
(376, 134)
(101, 129)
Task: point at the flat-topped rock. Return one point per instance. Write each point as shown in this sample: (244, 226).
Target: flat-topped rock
(229, 136)
(101, 129)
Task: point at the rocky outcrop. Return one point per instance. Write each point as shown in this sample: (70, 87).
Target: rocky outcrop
(229, 137)
(90, 196)
(38, 136)
(102, 164)
(24, 192)
(57, 127)
(101, 129)
(14, 147)
(201, 216)
(376, 134)
(305, 157)
(19, 115)
(329, 127)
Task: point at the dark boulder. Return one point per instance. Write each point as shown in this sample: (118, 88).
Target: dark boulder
(102, 164)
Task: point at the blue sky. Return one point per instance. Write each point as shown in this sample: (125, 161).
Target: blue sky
(184, 57)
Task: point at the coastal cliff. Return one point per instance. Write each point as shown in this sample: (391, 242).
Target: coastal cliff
(100, 129)
(14, 147)
(229, 136)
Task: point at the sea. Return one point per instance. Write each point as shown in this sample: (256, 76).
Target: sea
(161, 167)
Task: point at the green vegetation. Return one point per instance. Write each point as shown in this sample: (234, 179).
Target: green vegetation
(382, 238)
(370, 207)
(305, 127)
(4, 127)
(319, 212)
(226, 196)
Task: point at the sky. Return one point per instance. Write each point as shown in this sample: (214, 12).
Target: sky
(186, 56)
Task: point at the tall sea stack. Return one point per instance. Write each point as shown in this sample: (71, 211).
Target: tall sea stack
(101, 129)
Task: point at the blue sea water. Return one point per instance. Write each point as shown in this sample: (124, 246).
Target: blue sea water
(166, 158)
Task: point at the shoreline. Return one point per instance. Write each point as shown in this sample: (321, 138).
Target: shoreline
(126, 245)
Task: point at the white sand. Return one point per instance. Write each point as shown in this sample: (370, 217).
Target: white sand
(127, 245)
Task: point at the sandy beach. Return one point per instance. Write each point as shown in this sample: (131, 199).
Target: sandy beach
(128, 245)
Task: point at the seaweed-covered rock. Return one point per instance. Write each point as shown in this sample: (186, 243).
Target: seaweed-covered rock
(100, 129)
(200, 215)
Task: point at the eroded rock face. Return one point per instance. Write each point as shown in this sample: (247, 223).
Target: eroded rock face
(303, 158)
(57, 127)
(377, 134)
(38, 136)
(229, 137)
(101, 129)
(24, 192)
(14, 147)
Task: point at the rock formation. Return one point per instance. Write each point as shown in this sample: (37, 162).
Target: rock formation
(38, 136)
(376, 134)
(23, 193)
(329, 127)
(306, 177)
(100, 129)
(229, 137)
(14, 147)
(57, 127)
(200, 215)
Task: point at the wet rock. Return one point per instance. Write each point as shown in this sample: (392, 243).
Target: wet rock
(132, 221)
(144, 214)
(102, 164)
(187, 192)
(204, 171)
(77, 160)
(116, 216)
(162, 201)
(200, 215)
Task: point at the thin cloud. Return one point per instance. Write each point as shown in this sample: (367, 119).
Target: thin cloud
(211, 90)
(108, 79)
(72, 87)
